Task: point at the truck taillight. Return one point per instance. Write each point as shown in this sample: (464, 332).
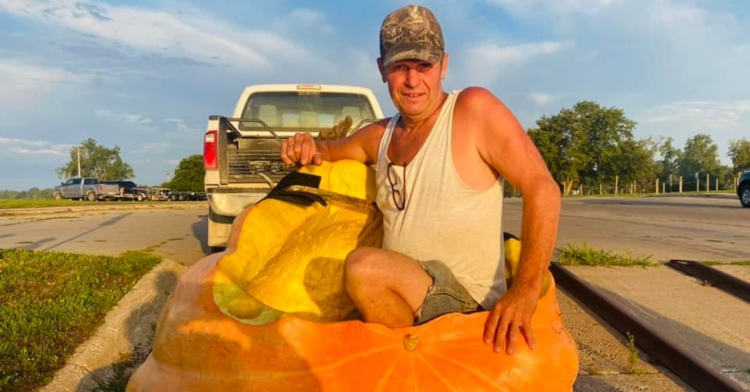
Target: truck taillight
(210, 150)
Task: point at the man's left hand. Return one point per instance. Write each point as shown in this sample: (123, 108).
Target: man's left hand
(510, 318)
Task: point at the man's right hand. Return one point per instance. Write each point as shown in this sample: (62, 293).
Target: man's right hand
(301, 150)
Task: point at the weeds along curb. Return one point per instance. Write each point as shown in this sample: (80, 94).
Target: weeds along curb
(71, 209)
(128, 326)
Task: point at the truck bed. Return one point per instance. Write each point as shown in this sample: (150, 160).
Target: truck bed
(253, 156)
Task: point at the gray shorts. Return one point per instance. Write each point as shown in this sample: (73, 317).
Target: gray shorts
(445, 295)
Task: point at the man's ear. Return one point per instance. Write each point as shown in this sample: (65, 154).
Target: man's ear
(381, 69)
(444, 66)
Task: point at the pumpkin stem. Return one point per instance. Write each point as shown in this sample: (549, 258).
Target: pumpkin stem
(411, 342)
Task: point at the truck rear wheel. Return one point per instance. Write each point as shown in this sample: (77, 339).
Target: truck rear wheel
(745, 195)
(90, 196)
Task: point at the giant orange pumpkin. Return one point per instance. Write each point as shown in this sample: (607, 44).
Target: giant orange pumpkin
(270, 315)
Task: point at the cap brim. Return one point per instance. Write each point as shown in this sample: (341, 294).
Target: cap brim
(430, 54)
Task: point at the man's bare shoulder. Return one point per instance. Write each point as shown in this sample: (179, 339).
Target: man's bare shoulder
(477, 98)
(480, 104)
(374, 129)
(367, 139)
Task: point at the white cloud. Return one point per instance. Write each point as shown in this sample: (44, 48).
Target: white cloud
(488, 60)
(540, 99)
(131, 119)
(742, 49)
(37, 148)
(510, 55)
(152, 148)
(670, 13)
(661, 20)
(526, 7)
(190, 34)
(309, 18)
(182, 128)
(701, 115)
(23, 82)
(172, 162)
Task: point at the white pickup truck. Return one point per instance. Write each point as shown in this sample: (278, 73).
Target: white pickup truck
(241, 154)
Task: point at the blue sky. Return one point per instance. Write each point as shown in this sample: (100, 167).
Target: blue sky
(145, 75)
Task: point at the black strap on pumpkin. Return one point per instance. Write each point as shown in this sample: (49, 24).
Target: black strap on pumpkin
(508, 236)
(301, 198)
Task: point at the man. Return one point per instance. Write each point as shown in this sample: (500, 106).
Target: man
(441, 165)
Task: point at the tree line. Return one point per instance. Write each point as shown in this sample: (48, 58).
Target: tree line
(32, 193)
(589, 145)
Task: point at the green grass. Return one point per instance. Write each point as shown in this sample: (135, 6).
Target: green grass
(584, 255)
(6, 204)
(38, 203)
(51, 302)
(632, 355)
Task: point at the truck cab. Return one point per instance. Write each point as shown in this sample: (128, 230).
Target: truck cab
(242, 155)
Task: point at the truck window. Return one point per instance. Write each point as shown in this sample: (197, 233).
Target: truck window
(73, 181)
(305, 110)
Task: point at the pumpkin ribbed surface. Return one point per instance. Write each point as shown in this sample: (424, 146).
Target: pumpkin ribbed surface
(200, 346)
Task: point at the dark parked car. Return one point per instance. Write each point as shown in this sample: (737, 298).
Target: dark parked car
(130, 190)
(743, 189)
(187, 196)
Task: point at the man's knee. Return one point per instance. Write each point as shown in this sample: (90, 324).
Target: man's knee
(360, 264)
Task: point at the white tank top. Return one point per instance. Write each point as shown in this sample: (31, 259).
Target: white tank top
(443, 219)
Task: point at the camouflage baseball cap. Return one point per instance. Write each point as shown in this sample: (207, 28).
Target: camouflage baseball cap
(411, 33)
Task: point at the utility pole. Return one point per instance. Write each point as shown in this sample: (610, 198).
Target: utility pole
(78, 151)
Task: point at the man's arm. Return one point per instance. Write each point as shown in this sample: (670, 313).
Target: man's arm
(503, 144)
(362, 146)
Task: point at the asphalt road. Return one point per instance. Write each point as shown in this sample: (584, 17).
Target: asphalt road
(662, 228)
(692, 228)
(175, 231)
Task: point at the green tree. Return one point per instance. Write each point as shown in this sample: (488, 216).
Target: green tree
(583, 144)
(739, 153)
(97, 161)
(700, 157)
(727, 176)
(668, 167)
(188, 176)
(634, 162)
(556, 142)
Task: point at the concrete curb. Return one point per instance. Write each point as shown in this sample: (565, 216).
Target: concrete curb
(128, 326)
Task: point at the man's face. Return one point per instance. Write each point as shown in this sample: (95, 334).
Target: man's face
(415, 86)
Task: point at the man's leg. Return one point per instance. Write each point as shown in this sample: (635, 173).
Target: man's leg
(387, 287)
